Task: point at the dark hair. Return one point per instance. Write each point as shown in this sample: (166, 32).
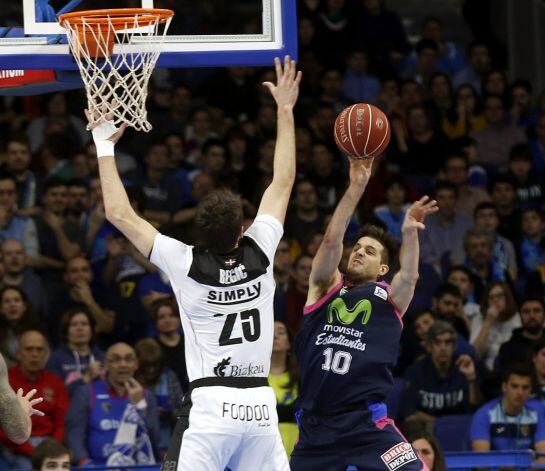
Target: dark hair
(388, 242)
(213, 142)
(418, 314)
(291, 366)
(77, 182)
(503, 178)
(413, 431)
(443, 75)
(521, 83)
(395, 180)
(218, 221)
(447, 288)
(461, 268)
(535, 299)
(457, 155)
(425, 44)
(445, 185)
(510, 302)
(484, 205)
(520, 152)
(5, 175)
(439, 328)
(67, 317)
(532, 210)
(49, 448)
(159, 303)
(148, 351)
(475, 44)
(519, 369)
(53, 182)
(19, 139)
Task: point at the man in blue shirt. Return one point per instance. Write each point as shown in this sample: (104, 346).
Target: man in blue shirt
(512, 421)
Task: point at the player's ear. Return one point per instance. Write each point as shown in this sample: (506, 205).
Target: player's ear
(383, 269)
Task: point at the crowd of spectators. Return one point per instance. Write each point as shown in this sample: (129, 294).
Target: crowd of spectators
(92, 324)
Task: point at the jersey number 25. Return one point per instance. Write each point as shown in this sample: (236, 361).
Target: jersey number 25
(251, 327)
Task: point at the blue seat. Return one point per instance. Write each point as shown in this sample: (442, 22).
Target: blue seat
(392, 399)
(452, 431)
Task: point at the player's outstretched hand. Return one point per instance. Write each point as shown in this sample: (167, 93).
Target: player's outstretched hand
(286, 90)
(417, 213)
(360, 173)
(27, 403)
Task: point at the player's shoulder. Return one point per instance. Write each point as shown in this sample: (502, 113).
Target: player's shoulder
(264, 223)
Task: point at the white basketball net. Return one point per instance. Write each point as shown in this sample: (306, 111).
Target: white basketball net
(117, 84)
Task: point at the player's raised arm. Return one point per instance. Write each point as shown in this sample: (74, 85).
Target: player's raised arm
(325, 273)
(117, 207)
(404, 282)
(277, 196)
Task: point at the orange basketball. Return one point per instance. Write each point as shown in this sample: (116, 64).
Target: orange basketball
(362, 131)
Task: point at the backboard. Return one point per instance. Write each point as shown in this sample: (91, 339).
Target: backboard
(203, 32)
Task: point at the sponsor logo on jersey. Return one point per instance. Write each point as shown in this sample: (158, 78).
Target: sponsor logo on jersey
(228, 277)
(224, 368)
(245, 412)
(337, 310)
(381, 293)
(398, 456)
(235, 296)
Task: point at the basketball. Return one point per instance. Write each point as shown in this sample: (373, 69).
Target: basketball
(362, 131)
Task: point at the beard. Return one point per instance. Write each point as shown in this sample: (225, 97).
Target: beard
(534, 328)
(359, 276)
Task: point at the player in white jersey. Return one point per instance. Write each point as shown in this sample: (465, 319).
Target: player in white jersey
(224, 287)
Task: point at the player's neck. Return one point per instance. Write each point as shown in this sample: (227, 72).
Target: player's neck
(171, 339)
(511, 409)
(278, 362)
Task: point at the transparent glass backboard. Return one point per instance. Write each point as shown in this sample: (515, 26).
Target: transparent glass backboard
(202, 33)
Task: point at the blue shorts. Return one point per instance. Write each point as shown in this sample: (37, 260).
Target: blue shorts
(356, 440)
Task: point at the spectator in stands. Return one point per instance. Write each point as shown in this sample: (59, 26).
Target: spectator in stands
(461, 277)
(296, 296)
(520, 348)
(30, 373)
(495, 83)
(282, 266)
(465, 117)
(100, 412)
(78, 360)
(441, 97)
(524, 113)
(153, 375)
(78, 203)
(18, 274)
(393, 212)
(17, 163)
(283, 378)
(305, 217)
(16, 227)
(16, 317)
(532, 245)
(504, 196)
(496, 323)
(326, 177)
(152, 287)
(538, 148)
(530, 189)
(51, 455)
(496, 140)
(456, 170)
(448, 307)
(512, 421)
(427, 446)
(166, 319)
(479, 64)
(77, 291)
(358, 85)
(438, 385)
(426, 63)
(504, 255)
(479, 258)
(445, 228)
(538, 361)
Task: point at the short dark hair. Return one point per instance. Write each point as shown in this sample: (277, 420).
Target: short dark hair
(535, 299)
(425, 44)
(212, 142)
(457, 155)
(218, 221)
(521, 83)
(395, 180)
(445, 185)
(5, 175)
(159, 303)
(520, 152)
(53, 182)
(461, 268)
(388, 242)
(78, 183)
(503, 178)
(518, 369)
(49, 448)
(484, 205)
(447, 288)
(417, 315)
(438, 328)
(69, 314)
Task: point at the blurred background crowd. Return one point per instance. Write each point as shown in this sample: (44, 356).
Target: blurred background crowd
(92, 324)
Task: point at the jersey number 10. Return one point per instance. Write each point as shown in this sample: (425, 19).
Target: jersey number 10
(251, 327)
(338, 362)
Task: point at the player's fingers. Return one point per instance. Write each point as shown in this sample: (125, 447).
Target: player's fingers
(421, 226)
(278, 68)
(20, 392)
(298, 77)
(37, 412)
(30, 394)
(269, 85)
(286, 66)
(36, 401)
(292, 70)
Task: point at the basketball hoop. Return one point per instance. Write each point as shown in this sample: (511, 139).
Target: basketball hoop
(116, 69)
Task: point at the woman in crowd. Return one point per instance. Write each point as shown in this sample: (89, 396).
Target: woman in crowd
(465, 117)
(16, 316)
(426, 445)
(441, 100)
(462, 278)
(153, 375)
(283, 378)
(495, 323)
(78, 361)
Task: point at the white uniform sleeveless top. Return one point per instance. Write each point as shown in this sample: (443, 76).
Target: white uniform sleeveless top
(226, 301)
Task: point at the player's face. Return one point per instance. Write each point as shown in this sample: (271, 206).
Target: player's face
(425, 452)
(539, 363)
(442, 348)
(462, 281)
(365, 263)
(516, 390)
(53, 464)
(281, 338)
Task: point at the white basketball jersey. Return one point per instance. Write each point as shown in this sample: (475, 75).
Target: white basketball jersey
(226, 301)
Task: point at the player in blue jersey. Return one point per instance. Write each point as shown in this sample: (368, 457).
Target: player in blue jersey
(349, 339)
